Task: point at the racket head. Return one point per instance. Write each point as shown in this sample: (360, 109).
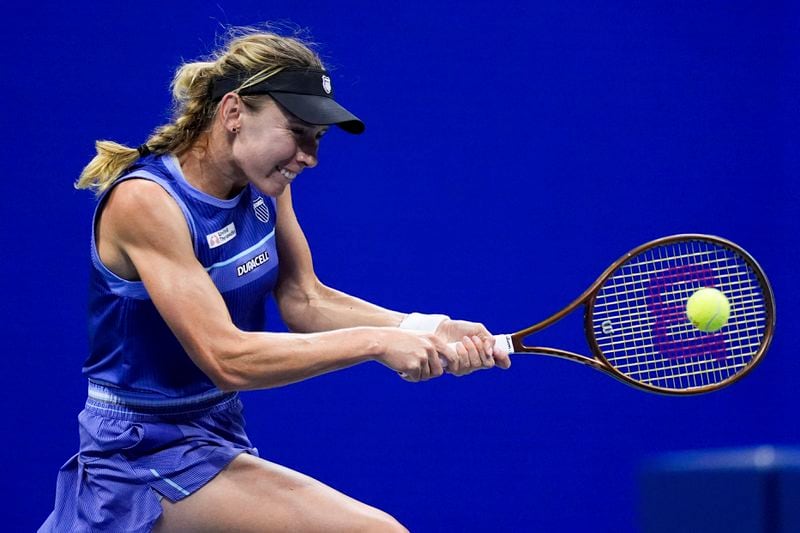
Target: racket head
(636, 321)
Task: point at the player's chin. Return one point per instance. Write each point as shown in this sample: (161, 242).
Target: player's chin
(272, 188)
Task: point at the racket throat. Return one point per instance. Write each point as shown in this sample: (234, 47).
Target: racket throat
(562, 354)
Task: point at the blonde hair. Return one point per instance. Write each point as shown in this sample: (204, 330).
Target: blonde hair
(249, 50)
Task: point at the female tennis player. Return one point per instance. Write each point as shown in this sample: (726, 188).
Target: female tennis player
(192, 233)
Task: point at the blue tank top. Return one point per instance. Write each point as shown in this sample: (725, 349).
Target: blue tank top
(131, 348)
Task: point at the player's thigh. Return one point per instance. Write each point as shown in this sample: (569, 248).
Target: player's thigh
(255, 495)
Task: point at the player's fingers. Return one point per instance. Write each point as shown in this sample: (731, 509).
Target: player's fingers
(472, 353)
(466, 364)
(463, 358)
(444, 357)
(411, 374)
(488, 343)
(435, 363)
(461, 365)
(450, 354)
(485, 351)
(480, 347)
(501, 354)
(425, 368)
(407, 376)
(502, 360)
(432, 348)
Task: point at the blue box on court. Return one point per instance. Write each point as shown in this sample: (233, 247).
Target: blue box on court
(752, 490)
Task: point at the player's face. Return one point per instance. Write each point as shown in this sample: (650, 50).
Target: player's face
(273, 147)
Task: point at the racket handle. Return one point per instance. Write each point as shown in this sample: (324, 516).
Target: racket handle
(501, 342)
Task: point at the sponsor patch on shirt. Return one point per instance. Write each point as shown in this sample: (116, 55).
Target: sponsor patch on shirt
(252, 264)
(218, 238)
(261, 210)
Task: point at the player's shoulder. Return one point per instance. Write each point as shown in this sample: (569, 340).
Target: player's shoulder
(135, 197)
(141, 204)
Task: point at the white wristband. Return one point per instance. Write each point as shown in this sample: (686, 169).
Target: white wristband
(422, 322)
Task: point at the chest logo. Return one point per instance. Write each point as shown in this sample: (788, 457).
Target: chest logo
(261, 209)
(252, 264)
(218, 238)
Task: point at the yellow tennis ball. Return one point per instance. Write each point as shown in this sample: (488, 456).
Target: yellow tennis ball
(708, 309)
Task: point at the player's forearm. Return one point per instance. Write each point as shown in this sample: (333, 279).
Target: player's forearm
(264, 360)
(325, 309)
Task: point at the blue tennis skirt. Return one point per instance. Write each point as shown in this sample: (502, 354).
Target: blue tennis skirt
(135, 451)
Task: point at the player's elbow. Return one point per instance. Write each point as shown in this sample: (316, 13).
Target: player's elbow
(225, 378)
(224, 364)
(229, 381)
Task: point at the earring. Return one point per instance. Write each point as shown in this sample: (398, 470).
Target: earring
(235, 130)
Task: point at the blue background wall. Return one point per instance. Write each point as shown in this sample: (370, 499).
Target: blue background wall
(506, 143)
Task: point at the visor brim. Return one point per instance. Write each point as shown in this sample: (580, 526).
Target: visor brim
(319, 110)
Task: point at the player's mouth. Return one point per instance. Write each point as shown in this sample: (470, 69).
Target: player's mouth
(288, 174)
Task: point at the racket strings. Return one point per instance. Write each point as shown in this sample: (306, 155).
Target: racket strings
(678, 363)
(639, 318)
(635, 327)
(677, 370)
(729, 273)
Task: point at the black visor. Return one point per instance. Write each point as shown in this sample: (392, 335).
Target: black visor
(305, 93)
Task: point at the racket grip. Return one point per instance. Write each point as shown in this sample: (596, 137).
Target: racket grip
(501, 342)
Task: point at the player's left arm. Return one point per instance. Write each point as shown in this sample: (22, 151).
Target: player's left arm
(307, 305)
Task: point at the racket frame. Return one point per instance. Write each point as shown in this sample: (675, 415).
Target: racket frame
(599, 361)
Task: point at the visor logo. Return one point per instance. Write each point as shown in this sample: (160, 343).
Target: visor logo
(261, 210)
(326, 84)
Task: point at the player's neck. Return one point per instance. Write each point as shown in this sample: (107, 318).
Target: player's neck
(206, 170)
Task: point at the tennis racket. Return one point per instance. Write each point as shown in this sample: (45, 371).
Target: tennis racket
(636, 325)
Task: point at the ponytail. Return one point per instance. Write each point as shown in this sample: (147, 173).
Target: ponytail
(247, 50)
(110, 162)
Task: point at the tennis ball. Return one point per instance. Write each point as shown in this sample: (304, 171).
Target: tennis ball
(708, 309)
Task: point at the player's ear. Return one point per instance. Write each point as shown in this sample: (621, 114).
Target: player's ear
(230, 112)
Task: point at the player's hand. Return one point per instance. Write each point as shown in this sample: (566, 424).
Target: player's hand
(475, 347)
(415, 355)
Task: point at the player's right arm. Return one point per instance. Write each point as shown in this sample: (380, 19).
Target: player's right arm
(142, 234)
